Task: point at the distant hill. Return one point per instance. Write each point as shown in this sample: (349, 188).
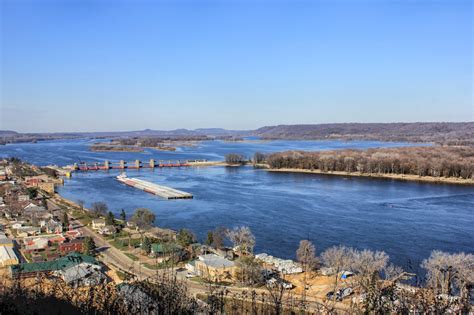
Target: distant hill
(440, 132)
(5, 133)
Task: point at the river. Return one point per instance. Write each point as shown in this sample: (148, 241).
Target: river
(405, 219)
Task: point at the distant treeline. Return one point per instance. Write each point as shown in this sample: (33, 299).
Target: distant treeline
(422, 161)
(158, 141)
(441, 133)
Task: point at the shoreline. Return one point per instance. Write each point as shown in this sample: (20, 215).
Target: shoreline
(400, 177)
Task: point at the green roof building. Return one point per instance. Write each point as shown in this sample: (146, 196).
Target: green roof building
(165, 248)
(31, 269)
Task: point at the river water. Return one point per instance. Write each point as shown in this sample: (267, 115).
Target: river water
(405, 219)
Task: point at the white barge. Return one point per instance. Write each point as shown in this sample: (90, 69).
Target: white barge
(152, 188)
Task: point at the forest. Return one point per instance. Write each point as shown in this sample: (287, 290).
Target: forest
(436, 161)
(439, 132)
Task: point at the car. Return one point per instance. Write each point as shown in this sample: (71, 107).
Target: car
(190, 275)
(345, 292)
(272, 282)
(286, 285)
(330, 295)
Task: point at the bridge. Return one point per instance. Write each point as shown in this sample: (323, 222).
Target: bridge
(137, 164)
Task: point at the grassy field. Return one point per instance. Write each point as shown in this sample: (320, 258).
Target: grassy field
(131, 256)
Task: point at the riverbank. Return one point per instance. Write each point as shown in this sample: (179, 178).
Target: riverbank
(402, 177)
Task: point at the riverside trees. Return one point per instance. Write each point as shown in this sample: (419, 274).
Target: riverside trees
(234, 158)
(420, 161)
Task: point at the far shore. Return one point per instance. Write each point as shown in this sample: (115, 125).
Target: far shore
(414, 178)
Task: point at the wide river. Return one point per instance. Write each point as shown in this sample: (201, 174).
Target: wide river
(405, 219)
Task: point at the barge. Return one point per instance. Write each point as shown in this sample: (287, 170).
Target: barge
(152, 188)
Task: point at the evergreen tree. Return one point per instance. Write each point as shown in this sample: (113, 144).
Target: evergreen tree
(185, 237)
(123, 216)
(210, 238)
(65, 220)
(89, 246)
(146, 245)
(110, 219)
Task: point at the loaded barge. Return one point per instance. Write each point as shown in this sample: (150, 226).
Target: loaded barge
(152, 188)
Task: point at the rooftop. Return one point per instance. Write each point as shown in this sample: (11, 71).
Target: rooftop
(62, 263)
(215, 261)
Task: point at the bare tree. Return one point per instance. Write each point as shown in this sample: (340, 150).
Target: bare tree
(448, 272)
(99, 209)
(242, 238)
(249, 271)
(143, 218)
(306, 255)
(218, 237)
(337, 258)
(368, 265)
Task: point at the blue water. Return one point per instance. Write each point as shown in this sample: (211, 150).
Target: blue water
(407, 220)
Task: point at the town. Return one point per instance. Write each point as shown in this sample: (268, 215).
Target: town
(45, 236)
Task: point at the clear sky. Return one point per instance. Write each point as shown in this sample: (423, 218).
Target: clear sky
(84, 65)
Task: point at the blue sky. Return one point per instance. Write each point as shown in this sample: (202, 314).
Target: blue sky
(127, 65)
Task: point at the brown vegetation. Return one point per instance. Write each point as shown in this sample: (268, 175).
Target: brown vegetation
(457, 162)
(439, 132)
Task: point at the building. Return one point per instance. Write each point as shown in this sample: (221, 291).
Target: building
(76, 245)
(25, 231)
(53, 227)
(23, 198)
(43, 182)
(8, 256)
(36, 245)
(83, 274)
(3, 174)
(215, 268)
(98, 223)
(107, 230)
(165, 249)
(71, 233)
(285, 266)
(4, 240)
(30, 270)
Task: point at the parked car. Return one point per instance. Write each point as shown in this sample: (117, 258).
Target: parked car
(272, 282)
(190, 275)
(340, 294)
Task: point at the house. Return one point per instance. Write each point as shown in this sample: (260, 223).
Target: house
(17, 225)
(75, 245)
(215, 268)
(36, 213)
(131, 225)
(25, 231)
(23, 198)
(8, 256)
(53, 227)
(83, 274)
(285, 266)
(71, 233)
(107, 230)
(30, 270)
(165, 249)
(3, 174)
(36, 245)
(98, 223)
